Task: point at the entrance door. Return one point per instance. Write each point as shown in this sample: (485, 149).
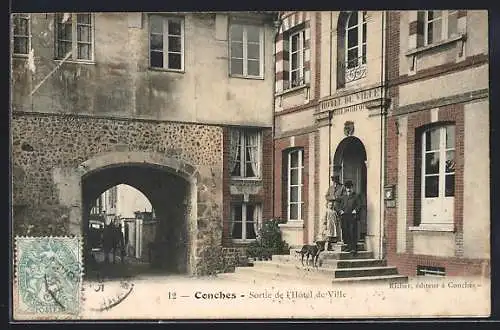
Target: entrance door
(351, 156)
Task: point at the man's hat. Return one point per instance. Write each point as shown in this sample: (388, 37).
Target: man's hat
(348, 184)
(336, 170)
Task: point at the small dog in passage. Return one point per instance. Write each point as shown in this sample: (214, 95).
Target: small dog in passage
(313, 251)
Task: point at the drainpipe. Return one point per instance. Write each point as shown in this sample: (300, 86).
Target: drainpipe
(383, 80)
(276, 24)
(330, 114)
(331, 50)
(330, 165)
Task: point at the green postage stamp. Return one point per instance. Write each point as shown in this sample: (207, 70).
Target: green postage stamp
(48, 281)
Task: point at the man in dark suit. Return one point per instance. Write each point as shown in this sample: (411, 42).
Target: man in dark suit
(350, 205)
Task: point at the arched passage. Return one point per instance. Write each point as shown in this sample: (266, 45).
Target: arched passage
(350, 157)
(169, 185)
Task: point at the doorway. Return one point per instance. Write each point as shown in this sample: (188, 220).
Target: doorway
(350, 157)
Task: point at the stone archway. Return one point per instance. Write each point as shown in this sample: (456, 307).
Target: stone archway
(151, 173)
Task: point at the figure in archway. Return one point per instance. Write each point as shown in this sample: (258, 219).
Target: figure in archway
(333, 198)
(113, 242)
(350, 206)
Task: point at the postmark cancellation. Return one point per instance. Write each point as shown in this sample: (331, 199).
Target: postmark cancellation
(48, 278)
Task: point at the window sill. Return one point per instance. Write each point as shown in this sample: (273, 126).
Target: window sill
(242, 241)
(246, 77)
(239, 179)
(24, 56)
(292, 224)
(166, 70)
(60, 61)
(431, 227)
(422, 49)
(291, 90)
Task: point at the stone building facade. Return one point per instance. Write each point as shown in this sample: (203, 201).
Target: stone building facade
(330, 118)
(148, 100)
(358, 91)
(438, 142)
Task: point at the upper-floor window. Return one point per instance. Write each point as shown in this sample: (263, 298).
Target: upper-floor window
(440, 25)
(245, 153)
(356, 39)
(355, 46)
(246, 51)
(296, 61)
(351, 47)
(74, 33)
(438, 174)
(22, 34)
(166, 42)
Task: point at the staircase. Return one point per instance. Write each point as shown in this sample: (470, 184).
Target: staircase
(335, 266)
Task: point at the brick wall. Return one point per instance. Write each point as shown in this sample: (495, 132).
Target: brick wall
(407, 262)
(407, 265)
(391, 162)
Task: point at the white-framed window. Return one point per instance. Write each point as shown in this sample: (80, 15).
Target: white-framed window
(166, 42)
(296, 61)
(440, 25)
(75, 33)
(22, 34)
(438, 175)
(245, 221)
(295, 183)
(355, 46)
(246, 51)
(245, 153)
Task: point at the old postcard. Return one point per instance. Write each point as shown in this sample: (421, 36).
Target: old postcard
(240, 165)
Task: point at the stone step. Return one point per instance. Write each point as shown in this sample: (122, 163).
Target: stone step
(353, 263)
(373, 279)
(293, 268)
(288, 272)
(346, 255)
(325, 255)
(326, 263)
(299, 271)
(365, 271)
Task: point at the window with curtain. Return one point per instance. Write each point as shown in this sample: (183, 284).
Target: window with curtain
(245, 153)
(245, 221)
(74, 32)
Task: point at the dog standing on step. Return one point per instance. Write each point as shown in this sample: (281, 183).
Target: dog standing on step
(313, 251)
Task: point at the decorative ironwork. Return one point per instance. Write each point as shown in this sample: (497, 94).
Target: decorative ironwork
(354, 69)
(299, 81)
